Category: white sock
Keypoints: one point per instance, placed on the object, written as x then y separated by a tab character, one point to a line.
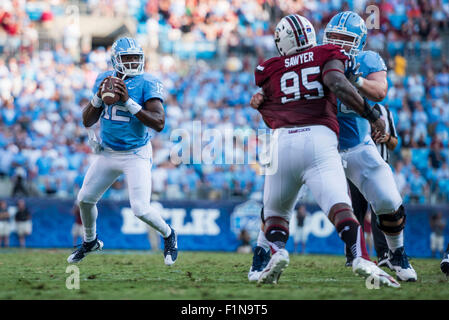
395	242
89	215
154	219
262	241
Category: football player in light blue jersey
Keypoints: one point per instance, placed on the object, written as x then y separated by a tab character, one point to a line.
126	128
364	166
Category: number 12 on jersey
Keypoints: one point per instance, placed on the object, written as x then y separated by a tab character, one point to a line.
290	85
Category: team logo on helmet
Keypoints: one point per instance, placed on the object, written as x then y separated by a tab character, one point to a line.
294	33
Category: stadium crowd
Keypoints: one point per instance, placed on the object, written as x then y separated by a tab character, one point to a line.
43	145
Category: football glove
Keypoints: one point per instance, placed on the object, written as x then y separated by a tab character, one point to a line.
352	72
93	142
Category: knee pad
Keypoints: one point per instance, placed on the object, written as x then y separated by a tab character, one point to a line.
85	199
400	213
277	232
85	202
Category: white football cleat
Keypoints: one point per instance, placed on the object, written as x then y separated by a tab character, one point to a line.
398	262
253	275
171	248
84	249
278	262
261	257
366	268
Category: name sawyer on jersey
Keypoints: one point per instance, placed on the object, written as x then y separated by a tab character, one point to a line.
120	130
285	80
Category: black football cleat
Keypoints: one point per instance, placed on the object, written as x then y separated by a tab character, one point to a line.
84	249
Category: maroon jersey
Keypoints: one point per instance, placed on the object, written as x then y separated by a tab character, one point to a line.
294	91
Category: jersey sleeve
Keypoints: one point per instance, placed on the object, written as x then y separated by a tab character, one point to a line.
263	72
153	88
332	52
373	62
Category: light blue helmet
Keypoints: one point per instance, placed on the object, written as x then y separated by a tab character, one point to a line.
351	25
127	46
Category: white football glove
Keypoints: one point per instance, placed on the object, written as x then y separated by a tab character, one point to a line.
93	142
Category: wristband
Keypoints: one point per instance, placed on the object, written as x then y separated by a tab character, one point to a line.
132	106
96	101
370	113
359	82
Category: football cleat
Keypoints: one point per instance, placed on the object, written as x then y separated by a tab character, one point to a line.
366	268
445	263
398	262
84	249
349	261
273	270
261	258
383	261
171	248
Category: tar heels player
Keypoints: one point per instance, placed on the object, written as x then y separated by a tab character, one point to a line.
126	128
363	164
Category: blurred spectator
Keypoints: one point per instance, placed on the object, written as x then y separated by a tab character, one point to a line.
245	242
19	187
4	224
77	227
399	178
300	236
435	155
437	225
23	222
418	187
43	86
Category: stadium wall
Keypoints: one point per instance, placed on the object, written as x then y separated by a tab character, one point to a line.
201	225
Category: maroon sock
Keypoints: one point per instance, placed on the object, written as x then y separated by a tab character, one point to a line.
350	231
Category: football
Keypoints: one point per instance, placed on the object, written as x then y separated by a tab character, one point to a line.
107	92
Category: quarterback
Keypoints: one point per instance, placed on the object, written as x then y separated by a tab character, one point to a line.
299	102
126	128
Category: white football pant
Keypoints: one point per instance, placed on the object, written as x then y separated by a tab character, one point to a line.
305	155
372	176
105	169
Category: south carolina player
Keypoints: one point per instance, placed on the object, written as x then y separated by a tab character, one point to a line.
126	129
299	104
364	166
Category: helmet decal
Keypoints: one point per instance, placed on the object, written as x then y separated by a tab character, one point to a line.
293	34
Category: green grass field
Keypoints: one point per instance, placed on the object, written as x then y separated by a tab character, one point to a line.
41	274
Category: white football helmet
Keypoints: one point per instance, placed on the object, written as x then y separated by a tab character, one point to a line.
294	33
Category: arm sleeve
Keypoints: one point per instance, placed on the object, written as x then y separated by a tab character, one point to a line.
153	88
330	52
374	62
262	72
335	53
